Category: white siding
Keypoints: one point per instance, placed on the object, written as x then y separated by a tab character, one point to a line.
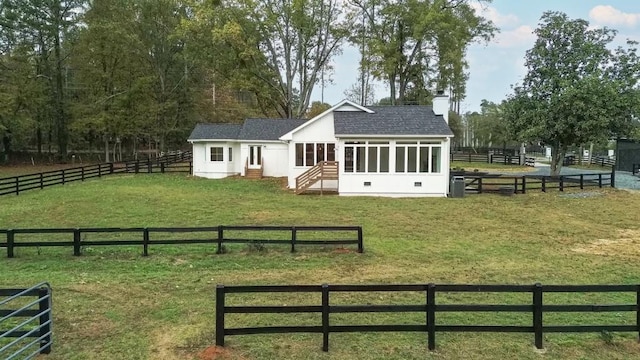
396	184
320	131
204	167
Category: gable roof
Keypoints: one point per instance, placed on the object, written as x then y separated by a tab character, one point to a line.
251	129
267	129
289	134
215	131
392	120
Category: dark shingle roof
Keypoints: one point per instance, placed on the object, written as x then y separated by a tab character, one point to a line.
391	120
267	129
215	131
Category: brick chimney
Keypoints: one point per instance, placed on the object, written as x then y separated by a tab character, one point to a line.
441	105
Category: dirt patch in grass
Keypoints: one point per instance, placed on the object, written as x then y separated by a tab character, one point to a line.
627	244
216	353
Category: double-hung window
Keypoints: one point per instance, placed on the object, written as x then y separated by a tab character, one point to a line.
217	154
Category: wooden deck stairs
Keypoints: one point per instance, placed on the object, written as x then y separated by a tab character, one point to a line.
253	173
324	170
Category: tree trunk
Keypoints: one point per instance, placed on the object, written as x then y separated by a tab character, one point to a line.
581	155
59	114
557	156
106	149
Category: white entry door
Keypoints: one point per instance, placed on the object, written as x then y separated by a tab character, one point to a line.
255	156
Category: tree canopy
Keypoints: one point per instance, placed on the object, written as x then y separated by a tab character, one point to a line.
138	74
577	89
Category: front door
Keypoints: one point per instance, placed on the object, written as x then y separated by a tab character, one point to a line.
255	156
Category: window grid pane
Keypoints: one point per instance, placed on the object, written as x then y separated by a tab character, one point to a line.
331	152
348	159
412	159
372	162
400	159
384	159
424	159
310	155
361	158
436	159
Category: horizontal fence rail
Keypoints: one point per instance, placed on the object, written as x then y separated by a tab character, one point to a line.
21	183
219	235
480	184
430	307
25	322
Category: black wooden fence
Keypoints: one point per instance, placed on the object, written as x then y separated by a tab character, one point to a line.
521	184
142	237
492	159
167	163
16	333
537	308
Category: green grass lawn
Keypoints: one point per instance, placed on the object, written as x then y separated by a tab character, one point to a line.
112	303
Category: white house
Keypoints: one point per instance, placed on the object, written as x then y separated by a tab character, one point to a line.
397	151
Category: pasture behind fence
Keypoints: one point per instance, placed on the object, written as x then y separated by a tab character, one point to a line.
215	235
179	162
25	322
430	307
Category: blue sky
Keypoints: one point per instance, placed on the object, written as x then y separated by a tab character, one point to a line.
495	66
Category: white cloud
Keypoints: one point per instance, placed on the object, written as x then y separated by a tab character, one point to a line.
522	36
491	13
608	15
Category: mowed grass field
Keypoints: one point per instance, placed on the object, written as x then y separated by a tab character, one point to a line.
112	303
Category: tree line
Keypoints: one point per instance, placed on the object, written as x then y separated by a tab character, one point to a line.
138	74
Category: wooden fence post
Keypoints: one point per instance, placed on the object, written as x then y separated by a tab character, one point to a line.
162	167
524	184
515	184
82	173
581	181
325	317
17	185
76	242
599	180
220	238
544	185
190	167
10	243
41	182
360	242
293	239
45	320
431	316
111	168
480	185
220	315
145	242
62	176
99	170
613	176
638	311
537	314
490	158
561	183
149	165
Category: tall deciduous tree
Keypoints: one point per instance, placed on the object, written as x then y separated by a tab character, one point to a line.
280	47
44	26
576	90
416	45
